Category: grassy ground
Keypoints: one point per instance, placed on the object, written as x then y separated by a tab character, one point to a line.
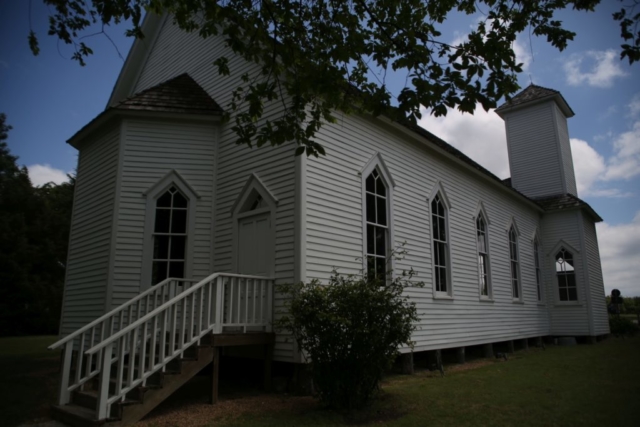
28	378
585	385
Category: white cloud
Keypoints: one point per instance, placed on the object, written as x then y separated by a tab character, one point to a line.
480	136
603	69
620	255
634	106
588	165
523	54
43	174
625	163
594	173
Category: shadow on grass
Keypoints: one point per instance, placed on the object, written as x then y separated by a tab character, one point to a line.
586	385
29	375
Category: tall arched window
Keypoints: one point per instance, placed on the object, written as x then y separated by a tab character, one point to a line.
566	274
377	224
169	236
515	262
483	255
440	245
536	259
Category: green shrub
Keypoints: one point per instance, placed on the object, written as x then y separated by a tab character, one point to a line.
620	325
350	331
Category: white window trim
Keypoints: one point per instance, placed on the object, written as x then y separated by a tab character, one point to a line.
173	178
480	210
536	237
514	225
239	211
438	189
377	162
551	255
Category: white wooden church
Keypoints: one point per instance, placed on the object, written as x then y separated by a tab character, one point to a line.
179	235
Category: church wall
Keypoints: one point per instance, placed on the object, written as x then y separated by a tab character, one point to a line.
598	302
91	231
176	52
335	232
567	318
152	149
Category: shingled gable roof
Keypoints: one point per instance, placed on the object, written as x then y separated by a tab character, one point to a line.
179	95
565	201
534	94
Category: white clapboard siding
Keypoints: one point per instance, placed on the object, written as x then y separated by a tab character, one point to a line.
152	149
533	150
565	151
176	52
598	301
91	229
566	318
334	232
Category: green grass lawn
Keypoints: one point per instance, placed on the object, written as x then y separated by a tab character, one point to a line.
586	385
28	378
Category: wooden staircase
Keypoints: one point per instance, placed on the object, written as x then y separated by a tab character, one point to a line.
122	365
81	412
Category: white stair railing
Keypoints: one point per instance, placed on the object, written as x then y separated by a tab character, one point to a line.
145	346
79	370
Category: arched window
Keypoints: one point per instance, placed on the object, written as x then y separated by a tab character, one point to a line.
483	255
515	263
536	259
440	245
566	274
169	236
377	223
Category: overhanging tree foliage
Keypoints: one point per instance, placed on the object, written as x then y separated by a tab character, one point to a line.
320	56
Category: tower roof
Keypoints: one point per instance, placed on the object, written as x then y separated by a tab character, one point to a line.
534	94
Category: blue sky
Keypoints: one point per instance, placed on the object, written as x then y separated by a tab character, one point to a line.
49	97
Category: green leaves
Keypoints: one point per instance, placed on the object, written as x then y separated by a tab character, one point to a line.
629	31
33	43
317	57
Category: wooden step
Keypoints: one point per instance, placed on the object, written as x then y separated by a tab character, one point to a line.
153	397
85	398
139	401
75	416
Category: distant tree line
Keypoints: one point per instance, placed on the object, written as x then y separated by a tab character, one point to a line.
34	235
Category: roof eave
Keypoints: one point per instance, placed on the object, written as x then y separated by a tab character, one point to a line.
135	59
504	110
107	116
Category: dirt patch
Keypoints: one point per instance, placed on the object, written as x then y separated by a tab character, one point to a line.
225	411
474	364
190	406
384	408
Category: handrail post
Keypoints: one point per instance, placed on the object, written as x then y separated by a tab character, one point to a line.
64	395
105	375
219	308
269	305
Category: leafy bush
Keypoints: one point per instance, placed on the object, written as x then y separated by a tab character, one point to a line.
620	325
350	330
